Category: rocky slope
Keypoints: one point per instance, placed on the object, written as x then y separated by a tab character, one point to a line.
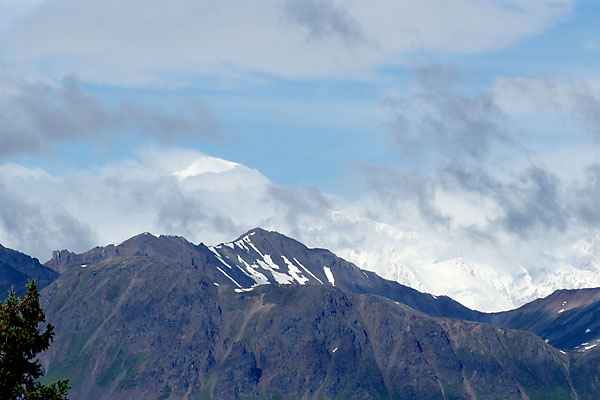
261	257
144	326
567	319
266	317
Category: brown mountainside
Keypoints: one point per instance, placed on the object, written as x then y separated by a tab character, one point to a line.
136	327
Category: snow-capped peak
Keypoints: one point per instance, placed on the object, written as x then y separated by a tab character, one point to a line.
205	165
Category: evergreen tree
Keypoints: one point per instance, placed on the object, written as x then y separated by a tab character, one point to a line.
20	342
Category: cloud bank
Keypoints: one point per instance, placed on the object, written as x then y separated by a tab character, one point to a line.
135	42
491	248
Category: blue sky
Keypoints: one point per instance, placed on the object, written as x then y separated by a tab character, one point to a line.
468	123
309	129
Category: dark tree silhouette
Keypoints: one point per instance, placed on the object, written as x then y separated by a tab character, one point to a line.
20	341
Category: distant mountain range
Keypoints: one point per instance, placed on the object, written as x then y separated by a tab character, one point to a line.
264	316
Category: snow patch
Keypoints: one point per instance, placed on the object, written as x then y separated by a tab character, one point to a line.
295	272
334	350
215	283
83	265
282	279
232	280
242	290
205	165
562	352
270	261
219	257
329	275
307	270
241	245
590	347
249	242
259	278
230	245
587	330
562	310
268	264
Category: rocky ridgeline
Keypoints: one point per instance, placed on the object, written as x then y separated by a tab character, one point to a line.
266	317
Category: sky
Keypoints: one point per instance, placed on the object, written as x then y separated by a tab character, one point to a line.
452	145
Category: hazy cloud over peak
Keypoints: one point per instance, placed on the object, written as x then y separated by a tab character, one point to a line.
406	227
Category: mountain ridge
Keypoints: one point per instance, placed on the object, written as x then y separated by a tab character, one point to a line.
159	316
261	257
125	335
266	257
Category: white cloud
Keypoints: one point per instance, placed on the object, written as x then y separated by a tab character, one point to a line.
81	209
518	95
136	41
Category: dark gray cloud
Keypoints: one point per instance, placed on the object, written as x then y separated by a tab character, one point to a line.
395	188
531	202
322	18
456	125
439	130
40	115
460	139
534	203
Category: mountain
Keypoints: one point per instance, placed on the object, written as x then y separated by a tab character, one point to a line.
260	257
264	316
489	276
17	268
139	325
567	319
